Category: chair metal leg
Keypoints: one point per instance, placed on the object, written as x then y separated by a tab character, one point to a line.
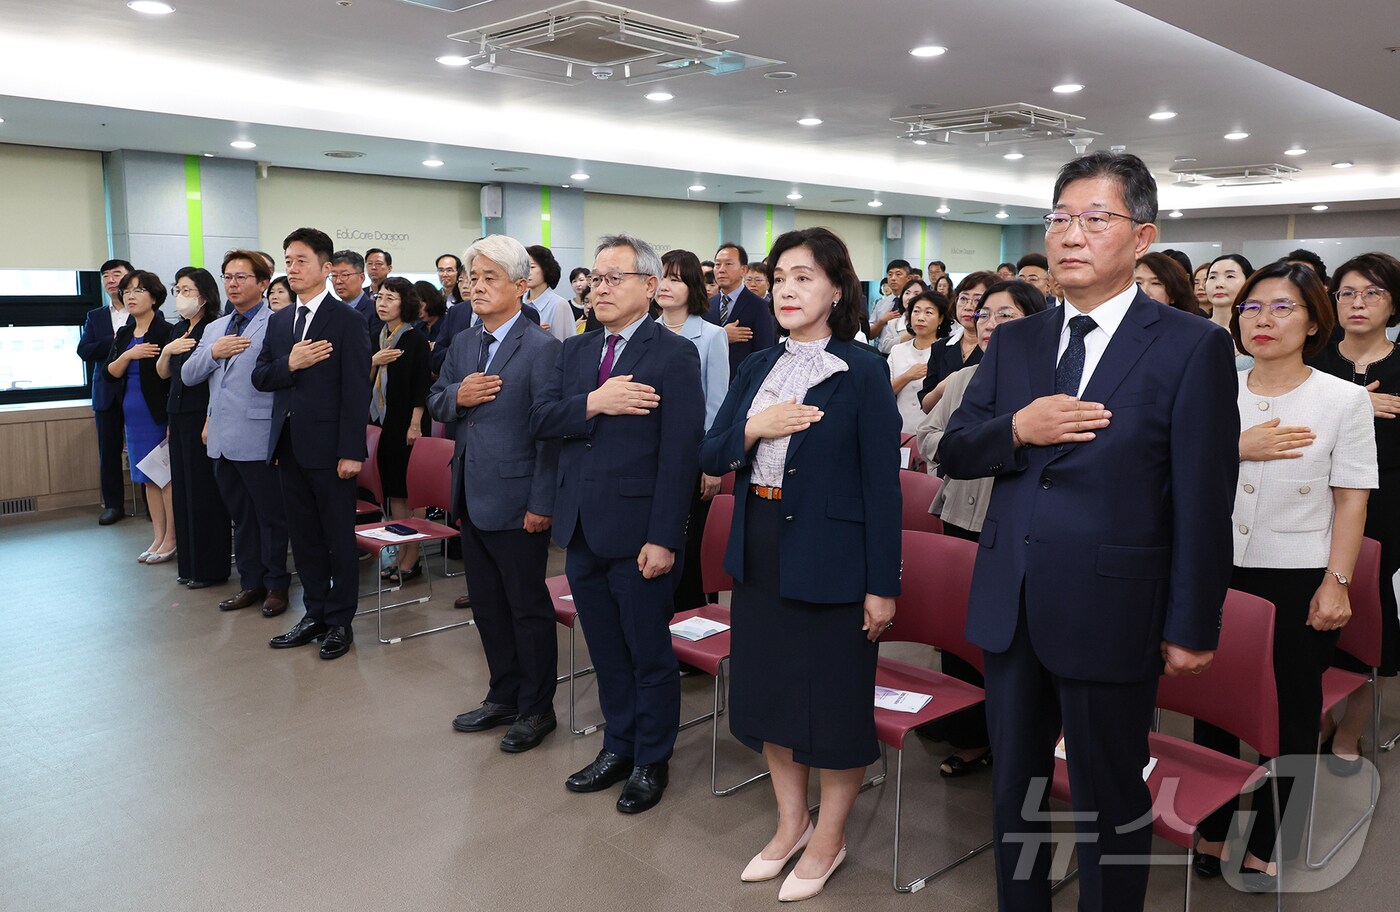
1318	864
918	883
571	676
720	688
1190	859
379	615
877	779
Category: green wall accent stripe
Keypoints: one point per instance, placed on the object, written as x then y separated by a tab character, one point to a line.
546	223
923	242
768	232
194	210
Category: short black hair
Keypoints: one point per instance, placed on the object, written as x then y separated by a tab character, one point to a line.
317	240
116	264
940	264
834	259
1181	258
410	305
945	311
350	258
1032	259
1304	255
544	258
1240	259
707	264
579	271
1135	181
685	266
285	283
737	248
148	281
1314	299
388	257
898	264
1001	266
1380	268
1026	297
449	256
269	259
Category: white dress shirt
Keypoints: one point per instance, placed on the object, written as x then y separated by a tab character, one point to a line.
311	308
119	318
1107	317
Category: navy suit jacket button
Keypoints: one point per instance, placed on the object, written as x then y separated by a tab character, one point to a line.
1045	482
792	471
788	518
996	467
1026	539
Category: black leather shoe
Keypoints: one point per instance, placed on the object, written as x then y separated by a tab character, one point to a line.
203	584
1207	867
243	599
182	580
109	516
306	631
485	716
607	769
528	732
337	641
644	788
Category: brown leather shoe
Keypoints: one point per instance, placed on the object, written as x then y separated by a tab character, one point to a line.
463	602
243	599
275	603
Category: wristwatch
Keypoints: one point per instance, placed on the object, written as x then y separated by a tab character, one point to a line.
1346	583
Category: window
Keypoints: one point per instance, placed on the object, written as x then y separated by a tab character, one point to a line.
41	319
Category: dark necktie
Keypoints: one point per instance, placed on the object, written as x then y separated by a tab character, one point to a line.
299	330
1071	367
723	309
605	369
487	340
235	326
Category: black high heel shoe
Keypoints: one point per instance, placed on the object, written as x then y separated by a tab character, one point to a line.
398	576
956	767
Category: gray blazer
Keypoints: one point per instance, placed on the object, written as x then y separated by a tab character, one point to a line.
240	417
961	501
499	470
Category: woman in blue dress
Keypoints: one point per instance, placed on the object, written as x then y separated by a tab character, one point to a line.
132	362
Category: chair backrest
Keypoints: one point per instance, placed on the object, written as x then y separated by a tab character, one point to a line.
1361	637
919	489
713	543
1237	692
934	587
439	429
910	442
369	469
726	484
430	473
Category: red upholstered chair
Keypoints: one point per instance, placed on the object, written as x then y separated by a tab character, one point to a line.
429	485
1360	638
566	614
1236	693
919	489
369	476
726	484
910	442
439	430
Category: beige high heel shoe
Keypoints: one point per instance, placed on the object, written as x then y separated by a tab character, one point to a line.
797	888
761	869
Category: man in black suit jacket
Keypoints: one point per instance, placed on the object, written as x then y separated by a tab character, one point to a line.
315	360
94	345
747	319
628	404
347	274
1111	429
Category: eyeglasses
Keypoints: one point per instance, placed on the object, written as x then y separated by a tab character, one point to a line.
1278	308
134	290
1001	316
1368	296
968	298
345	276
613	279
1092	222
234	278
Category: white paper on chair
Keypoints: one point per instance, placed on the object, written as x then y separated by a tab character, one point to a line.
903	701
905	454
385	535
1146	770
156	465
697	628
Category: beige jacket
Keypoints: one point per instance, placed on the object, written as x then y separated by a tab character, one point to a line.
962	503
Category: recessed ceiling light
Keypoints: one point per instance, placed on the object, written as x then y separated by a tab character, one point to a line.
208	154
454	60
780	74
721	1
1003	214
794	195
1175	213
566	186
1068	88
1320	207
943	210
659	96
343	153
578	176
1238	134
2	120
928	50
151	7
510	169
1295	151
243	144
696	188
432	163
1013	156
1342	164
921	142
874	204
810	121
1161	115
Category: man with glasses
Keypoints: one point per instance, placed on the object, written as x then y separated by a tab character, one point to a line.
237	435
449	267
94	345
1106	551
628	404
347	280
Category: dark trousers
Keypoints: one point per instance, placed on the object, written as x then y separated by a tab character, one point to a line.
1301	655
253	494
201	519
690	593
514	614
111	438
321	523
1105	727
626	622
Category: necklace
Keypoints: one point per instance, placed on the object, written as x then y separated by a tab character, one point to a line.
673	327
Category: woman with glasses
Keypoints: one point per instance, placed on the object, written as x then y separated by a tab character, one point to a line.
1225	276
962	505
961	349
1307	465
1364	289
201	520
132	362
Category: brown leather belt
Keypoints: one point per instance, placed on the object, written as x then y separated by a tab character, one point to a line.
767	493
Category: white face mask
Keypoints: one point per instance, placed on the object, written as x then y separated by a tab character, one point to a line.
187	306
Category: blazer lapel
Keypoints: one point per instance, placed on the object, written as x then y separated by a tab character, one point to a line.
1040	361
322	318
1124	349
636	347
508	347
820	394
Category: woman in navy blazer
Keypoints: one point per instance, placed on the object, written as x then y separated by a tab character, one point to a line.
811	431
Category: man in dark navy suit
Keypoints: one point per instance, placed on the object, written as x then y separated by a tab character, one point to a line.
628	404
747	319
315	359
1110	426
95	343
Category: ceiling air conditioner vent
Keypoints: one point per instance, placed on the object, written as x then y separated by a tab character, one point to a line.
1234	175
567	44
992	126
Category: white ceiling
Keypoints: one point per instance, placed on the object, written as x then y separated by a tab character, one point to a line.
301	77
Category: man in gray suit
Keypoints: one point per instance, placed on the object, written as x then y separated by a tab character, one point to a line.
236	433
503	483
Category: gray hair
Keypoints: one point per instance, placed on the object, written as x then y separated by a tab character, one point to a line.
1135	181
507	252
350	257
648	263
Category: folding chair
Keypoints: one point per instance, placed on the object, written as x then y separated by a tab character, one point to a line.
566	614
919	490
1236	693
1361	638
368	479
917	463
429	485
726	483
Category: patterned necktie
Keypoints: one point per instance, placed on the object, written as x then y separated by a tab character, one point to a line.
299	330
1071	367
235	326
723	309
605	369
487	340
